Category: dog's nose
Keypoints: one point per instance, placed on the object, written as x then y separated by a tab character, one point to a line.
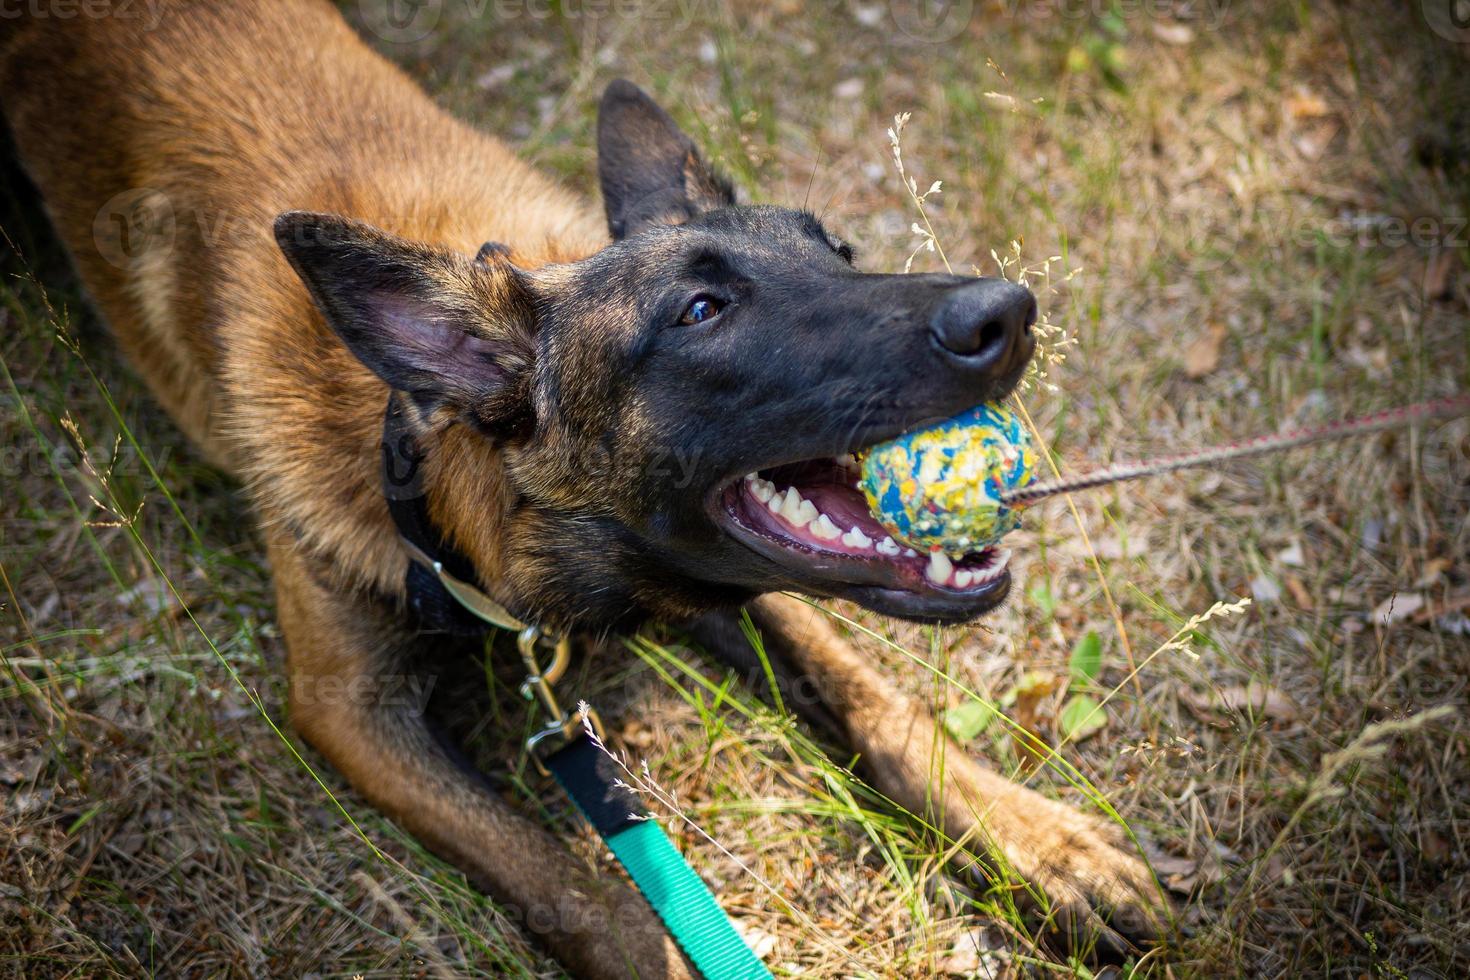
986	324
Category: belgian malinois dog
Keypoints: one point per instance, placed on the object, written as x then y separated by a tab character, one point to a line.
350	278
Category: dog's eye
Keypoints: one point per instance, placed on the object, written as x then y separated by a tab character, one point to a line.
701	309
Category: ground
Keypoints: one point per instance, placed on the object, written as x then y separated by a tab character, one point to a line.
1268	207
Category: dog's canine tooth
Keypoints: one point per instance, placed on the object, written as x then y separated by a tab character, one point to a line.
857	539
823	528
796	510
939	568
889	547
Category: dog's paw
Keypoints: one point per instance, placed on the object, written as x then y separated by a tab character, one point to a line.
1097	893
1086	881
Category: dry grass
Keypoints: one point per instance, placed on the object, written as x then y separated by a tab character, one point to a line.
1303	765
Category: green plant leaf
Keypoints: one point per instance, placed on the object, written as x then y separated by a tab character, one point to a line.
1086	662
1081	717
968	720
1042	598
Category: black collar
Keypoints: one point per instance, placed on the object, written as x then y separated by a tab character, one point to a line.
432	561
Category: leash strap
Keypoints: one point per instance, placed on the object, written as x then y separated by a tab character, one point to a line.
678	895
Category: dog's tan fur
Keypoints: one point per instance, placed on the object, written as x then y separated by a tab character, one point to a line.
225	112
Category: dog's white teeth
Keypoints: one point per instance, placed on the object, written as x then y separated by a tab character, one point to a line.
857	539
823	528
797	511
910	553
789	502
762	490
962	578
774	504
889	547
993	570
939	568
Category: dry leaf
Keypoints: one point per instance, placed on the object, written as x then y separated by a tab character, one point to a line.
1292	556
1173	33
762	943
1397	607
1264	589
1438	275
973	954
1299	593
1305	105
1257	699
1185	875
1431	570
1455	602
1203	356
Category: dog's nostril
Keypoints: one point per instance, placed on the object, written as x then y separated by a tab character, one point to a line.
991	333
987	322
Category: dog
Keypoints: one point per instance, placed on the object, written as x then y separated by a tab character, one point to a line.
308	246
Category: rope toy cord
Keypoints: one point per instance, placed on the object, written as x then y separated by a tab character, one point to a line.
960	485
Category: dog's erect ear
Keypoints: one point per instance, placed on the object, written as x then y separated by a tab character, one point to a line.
651	173
447	330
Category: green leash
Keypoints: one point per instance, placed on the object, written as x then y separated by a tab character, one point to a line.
587	775
678	895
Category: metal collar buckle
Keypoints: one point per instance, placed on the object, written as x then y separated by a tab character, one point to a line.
563	726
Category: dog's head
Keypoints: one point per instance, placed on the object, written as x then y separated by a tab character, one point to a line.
621	435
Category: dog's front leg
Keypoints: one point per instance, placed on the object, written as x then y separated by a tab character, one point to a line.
1075	859
346	669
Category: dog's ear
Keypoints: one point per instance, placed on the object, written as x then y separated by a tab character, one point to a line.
651	173
449	331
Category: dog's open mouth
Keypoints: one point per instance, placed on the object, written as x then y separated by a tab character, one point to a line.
811	517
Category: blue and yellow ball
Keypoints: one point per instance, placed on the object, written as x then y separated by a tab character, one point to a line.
938	489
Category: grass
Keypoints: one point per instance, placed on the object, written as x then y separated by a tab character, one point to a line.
1301	766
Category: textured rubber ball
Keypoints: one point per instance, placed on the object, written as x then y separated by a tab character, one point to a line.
938	488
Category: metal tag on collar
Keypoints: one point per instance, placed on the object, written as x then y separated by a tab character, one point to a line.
464	593
562	726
